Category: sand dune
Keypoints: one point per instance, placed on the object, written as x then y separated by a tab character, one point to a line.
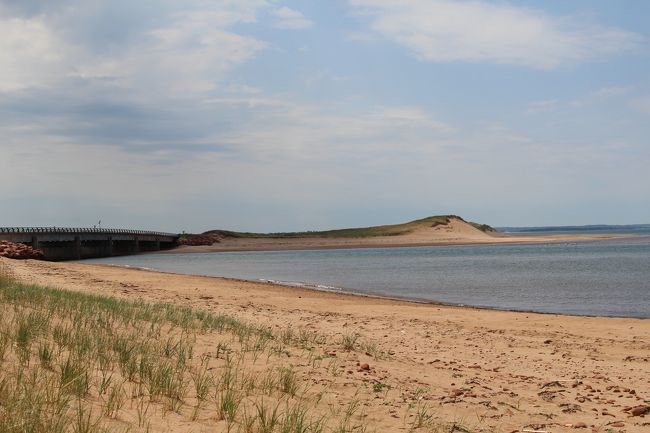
454	231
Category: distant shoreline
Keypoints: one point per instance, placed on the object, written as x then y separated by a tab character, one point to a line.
441	230
308	244
607	228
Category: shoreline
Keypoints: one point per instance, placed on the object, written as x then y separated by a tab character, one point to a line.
343	291
274	286
505	371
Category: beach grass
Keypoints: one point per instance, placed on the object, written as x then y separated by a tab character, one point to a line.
358	232
482	227
73	362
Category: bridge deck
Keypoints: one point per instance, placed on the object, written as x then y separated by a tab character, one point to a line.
64	243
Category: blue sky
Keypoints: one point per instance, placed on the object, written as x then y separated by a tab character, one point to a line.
267	115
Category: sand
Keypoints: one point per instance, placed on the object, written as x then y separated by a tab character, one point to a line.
456	232
487	370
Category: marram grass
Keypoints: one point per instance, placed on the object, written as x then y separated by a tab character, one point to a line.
73	362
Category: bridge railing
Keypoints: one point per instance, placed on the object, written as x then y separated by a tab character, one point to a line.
83	230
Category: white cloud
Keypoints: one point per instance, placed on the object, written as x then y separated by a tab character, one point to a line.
245	89
251	102
324	75
30	53
287	18
187	48
478	31
611	91
136	105
187	56
642	104
541	106
287	158
331	148
604	94
294	133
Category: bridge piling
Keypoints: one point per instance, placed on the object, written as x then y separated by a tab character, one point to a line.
77	247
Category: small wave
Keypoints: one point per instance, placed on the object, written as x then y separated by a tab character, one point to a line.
142	268
321	287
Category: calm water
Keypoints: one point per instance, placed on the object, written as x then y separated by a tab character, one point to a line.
603	278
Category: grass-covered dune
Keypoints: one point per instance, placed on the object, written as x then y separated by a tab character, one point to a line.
358	232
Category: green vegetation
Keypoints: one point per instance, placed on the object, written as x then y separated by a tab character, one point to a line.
483	227
349	341
360	232
73	362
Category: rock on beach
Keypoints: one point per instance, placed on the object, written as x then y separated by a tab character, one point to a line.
13	250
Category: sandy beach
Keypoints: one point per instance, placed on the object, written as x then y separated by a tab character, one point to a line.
485	370
349	216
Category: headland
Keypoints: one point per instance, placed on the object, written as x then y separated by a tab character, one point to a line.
430	231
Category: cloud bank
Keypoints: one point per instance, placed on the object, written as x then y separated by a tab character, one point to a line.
479	31
251	114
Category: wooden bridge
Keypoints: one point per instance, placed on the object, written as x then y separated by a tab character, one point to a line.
58	243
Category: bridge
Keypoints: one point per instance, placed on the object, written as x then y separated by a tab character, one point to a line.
59	243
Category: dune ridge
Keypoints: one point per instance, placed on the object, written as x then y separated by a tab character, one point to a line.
430	231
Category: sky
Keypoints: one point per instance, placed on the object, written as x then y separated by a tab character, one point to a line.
264	115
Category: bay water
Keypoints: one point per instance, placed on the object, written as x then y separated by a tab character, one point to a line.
608	277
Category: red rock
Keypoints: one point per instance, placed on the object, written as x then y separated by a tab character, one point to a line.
456	392
19	251
639	410
364	367
579	425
